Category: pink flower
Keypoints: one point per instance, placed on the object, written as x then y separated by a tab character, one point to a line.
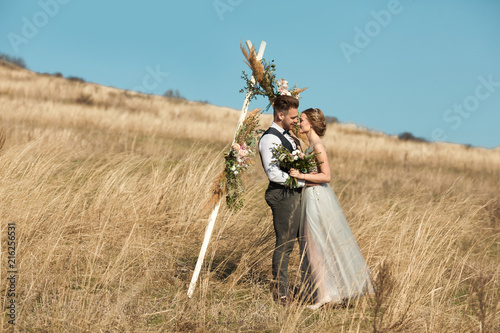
242	153
284	84
284	92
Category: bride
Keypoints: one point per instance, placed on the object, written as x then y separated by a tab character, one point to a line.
333	268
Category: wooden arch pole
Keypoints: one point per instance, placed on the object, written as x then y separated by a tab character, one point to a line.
215	210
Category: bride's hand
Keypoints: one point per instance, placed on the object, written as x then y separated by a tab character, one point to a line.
295	173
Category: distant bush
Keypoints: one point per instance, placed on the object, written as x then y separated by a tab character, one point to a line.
13	60
84	99
173	94
70	78
76	79
407	136
52	74
331	120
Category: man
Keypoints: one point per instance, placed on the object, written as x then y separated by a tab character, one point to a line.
284	203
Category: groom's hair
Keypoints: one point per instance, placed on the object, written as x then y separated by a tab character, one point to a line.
283	103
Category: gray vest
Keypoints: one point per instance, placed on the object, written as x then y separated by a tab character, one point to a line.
284	141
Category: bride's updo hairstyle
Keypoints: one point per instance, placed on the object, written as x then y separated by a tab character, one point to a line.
317	120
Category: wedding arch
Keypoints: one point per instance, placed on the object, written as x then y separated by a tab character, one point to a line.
216	205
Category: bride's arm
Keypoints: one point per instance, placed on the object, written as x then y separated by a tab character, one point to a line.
323	175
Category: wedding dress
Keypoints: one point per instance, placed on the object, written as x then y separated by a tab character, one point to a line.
333	267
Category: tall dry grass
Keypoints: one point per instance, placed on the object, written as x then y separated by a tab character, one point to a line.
107	191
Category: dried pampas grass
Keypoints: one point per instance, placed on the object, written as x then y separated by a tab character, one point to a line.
250	124
258	71
217	192
252	62
295	93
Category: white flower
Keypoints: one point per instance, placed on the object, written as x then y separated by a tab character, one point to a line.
284	84
296	152
236	172
295	157
284	92
233	168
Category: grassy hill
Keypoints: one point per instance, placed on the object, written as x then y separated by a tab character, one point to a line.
107	191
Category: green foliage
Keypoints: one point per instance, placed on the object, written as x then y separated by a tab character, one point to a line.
264	89
237	161
233	181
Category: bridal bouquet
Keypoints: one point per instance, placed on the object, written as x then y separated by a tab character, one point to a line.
294	160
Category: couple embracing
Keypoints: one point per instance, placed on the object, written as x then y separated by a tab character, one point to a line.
333	270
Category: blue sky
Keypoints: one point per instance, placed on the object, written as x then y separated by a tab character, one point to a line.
431	68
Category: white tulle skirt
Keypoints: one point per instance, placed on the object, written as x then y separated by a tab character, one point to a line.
332	266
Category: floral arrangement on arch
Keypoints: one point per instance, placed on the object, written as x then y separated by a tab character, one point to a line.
237	163
266	83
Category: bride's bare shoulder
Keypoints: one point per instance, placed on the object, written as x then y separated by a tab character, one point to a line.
318	145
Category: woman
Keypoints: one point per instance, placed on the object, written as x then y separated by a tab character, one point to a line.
333	267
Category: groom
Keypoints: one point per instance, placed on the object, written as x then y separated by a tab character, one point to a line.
284	203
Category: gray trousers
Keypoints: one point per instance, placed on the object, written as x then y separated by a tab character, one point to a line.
285	205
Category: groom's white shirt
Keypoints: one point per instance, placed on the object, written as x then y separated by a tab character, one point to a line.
266	144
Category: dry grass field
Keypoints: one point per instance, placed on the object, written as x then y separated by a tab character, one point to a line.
107	191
